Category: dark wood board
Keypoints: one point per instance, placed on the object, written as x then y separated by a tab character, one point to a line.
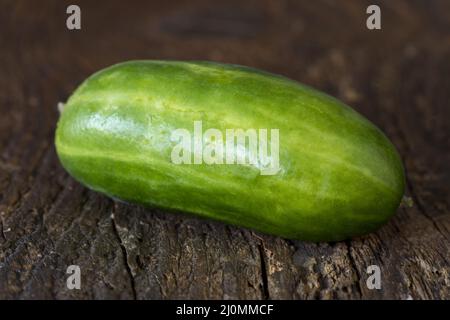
398	77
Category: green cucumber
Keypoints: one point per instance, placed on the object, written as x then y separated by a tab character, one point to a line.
337	175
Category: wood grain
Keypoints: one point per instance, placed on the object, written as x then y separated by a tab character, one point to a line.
398	77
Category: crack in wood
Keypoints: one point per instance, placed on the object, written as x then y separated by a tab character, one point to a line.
124	254
354	267
264	277
2	231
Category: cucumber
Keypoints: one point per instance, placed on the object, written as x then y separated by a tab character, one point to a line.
233	144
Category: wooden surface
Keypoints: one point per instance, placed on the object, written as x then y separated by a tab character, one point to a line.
398	77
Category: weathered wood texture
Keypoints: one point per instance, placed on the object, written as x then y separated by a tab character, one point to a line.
398	77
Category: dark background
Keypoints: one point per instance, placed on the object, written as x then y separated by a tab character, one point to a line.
398	77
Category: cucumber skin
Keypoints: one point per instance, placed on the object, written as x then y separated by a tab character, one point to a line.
340	176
